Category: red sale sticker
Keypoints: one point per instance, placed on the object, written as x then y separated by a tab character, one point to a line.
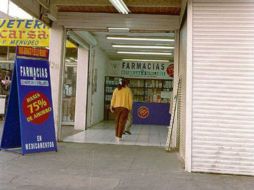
36	107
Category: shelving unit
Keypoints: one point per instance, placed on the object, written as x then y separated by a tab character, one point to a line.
110	84
143	90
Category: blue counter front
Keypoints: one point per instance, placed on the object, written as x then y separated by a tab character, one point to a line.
151	113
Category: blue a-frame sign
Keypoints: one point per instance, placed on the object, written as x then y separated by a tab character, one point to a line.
29	122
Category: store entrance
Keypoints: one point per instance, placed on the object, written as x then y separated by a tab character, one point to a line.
146	60
69	91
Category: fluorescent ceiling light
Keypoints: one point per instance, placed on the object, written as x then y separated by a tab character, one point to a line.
144	53
118	29
142	47
120	6
148	60
73	59
51	17
140	39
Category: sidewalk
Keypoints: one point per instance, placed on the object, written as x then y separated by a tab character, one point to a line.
107	167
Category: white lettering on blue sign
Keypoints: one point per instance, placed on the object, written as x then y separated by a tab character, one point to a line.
34	72
39	145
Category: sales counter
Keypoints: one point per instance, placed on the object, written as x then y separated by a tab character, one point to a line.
151	113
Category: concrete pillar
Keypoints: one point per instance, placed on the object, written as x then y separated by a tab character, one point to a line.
82	89
56	57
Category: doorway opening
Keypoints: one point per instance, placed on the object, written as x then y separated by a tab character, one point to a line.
146	60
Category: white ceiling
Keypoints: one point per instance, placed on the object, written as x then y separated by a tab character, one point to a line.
106	45
157	18
80	18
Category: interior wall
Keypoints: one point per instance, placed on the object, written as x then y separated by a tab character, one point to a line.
100	61
182	88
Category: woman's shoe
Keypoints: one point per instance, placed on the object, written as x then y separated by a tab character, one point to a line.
128	132
117	140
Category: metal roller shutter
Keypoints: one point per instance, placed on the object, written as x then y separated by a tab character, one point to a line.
223	86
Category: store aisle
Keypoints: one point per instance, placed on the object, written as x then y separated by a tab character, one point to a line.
103	133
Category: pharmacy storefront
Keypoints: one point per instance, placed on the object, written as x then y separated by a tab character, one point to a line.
214	63
151	84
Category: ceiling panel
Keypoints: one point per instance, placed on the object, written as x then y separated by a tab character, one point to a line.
155	10
135	22
147	18
167	7
88	9
111	9
106	45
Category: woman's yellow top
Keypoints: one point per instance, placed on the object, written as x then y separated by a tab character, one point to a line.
122	98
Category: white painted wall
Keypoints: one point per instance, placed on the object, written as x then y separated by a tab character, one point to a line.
56	55
173	104
182	88
81	93
99	61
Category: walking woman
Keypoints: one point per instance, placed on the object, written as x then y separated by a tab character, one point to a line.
121	104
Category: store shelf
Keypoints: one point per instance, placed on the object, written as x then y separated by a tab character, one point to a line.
143	90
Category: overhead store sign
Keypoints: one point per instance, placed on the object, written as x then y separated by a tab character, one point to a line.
22	32
141	69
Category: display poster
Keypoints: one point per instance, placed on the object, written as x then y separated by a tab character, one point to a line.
149	70
151	113
29	121
25	32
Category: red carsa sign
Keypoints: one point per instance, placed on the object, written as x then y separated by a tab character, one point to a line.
143	112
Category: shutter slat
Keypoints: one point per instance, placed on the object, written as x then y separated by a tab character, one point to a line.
223	87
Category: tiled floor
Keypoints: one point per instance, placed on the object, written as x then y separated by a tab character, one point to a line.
103	133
